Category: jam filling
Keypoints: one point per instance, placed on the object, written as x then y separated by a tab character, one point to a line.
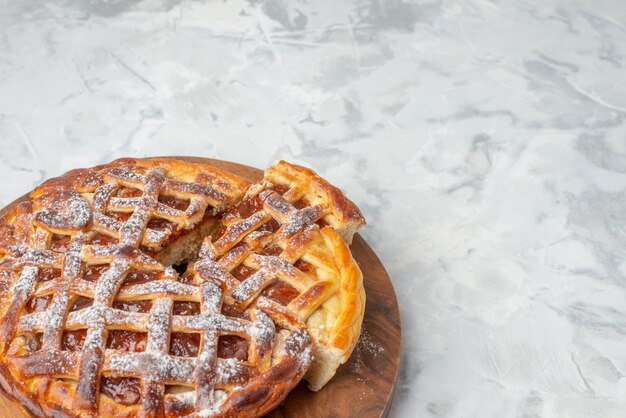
129	192
46	274
220	232
38	304
248	207
281	189
270	226
232	346
94	272
321	223
242	272
186	278
33	342
184	344
135	306
174	202
152	252
281	292
161	224
186	308
81	303
174	232
123	390
271	250
228	346
234	311
73	340
304	266
301	203
139	277
127	340
120	216
103	239
243	210
60	242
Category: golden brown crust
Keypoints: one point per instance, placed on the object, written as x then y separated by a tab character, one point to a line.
102	215
347	327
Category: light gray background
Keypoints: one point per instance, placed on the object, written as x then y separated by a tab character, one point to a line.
484	140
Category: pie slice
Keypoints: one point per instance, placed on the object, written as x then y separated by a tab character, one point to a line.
283	249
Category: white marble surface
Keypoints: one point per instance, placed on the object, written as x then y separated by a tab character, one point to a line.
484	140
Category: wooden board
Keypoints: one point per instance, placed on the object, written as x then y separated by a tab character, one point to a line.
364	386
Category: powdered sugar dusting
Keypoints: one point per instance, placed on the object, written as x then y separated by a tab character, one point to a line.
22	255
156	287
263	328
159	325
209	322
102	195
64	209
109	282
91	315
132	230
272	263
31	322
72	267
125	174
366	350
276	202
155	236
54	319
298	345
216	197
301	220
209	412
257	235
211	297
25	285
154	367
230	369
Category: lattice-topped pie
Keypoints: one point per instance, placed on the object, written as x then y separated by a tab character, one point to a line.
101	316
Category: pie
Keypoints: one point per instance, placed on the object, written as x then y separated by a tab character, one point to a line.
158	287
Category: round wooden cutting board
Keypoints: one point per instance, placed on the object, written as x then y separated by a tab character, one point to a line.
364	386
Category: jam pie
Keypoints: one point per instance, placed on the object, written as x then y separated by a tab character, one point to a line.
157	287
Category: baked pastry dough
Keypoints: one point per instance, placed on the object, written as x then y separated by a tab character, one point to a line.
283	245
94	321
